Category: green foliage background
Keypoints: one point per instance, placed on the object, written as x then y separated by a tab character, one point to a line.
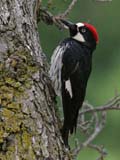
104	82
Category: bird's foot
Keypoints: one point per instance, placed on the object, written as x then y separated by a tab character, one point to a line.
67	147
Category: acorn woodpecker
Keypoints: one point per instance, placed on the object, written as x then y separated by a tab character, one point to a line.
70	69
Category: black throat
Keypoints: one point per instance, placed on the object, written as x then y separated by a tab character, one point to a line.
91	46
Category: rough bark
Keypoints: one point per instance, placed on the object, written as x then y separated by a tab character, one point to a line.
28	122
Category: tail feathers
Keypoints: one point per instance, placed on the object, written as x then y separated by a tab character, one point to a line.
74	123
70	117
68	128
74	117
74	126
70	122
70	108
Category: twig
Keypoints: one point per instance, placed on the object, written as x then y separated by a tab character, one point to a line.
100	149
99	123
84	125
50	19
97	129
70	7
113	104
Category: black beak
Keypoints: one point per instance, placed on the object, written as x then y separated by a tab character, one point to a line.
68	24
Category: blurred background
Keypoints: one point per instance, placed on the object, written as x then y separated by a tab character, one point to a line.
104	82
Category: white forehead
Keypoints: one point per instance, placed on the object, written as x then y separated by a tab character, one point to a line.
80	24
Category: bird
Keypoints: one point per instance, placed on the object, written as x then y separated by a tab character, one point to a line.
71	65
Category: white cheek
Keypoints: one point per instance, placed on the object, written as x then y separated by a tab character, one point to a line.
79	37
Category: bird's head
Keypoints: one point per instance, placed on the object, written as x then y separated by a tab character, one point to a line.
82	32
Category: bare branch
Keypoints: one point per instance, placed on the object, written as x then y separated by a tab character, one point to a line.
113	104
70	7
50	19
100	149
97	130
96	120
99	123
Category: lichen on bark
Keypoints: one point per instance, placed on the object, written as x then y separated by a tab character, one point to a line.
15	78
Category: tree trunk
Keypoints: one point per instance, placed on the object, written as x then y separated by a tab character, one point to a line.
29	127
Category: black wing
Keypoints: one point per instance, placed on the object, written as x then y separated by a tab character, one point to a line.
75	73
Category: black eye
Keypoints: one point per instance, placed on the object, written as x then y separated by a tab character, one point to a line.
83	30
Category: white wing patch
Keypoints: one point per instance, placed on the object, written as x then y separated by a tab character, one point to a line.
56	66
68	87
